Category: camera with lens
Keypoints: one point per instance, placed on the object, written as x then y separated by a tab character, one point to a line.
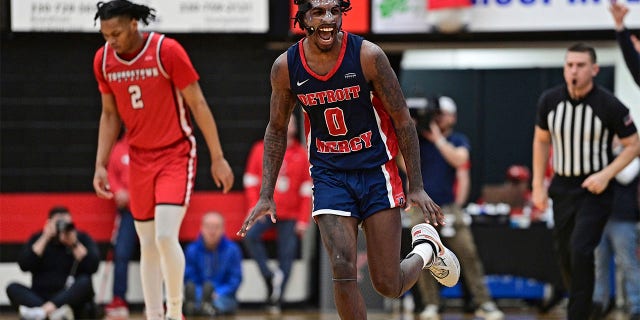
424	110
64	226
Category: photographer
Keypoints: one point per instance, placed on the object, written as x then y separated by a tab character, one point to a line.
444	156
61	261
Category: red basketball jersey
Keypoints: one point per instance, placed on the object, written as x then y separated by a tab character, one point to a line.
146	90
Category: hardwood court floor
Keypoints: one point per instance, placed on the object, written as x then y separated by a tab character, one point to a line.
510	314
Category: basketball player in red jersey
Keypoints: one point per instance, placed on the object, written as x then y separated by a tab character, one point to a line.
356	119
147	81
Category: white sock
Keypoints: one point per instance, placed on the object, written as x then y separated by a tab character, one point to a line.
150	272
157	314
425	251
174	305
168	220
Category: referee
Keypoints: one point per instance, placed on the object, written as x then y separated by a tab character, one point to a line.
579	120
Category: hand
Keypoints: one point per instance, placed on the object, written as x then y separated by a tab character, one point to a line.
222	174
49	230
618	12
49	307
79	251
69	238
539	198
121	197
433	134
301	228
420	201
101	183
263	207
596	183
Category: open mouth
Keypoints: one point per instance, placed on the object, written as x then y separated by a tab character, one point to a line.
326	33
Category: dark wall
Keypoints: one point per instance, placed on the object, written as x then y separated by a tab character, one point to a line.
496	111
50	105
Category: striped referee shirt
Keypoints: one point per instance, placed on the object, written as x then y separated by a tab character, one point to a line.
582	131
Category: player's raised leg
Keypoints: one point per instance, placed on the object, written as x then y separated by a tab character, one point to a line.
390	276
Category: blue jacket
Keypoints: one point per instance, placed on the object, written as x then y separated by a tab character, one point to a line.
222	267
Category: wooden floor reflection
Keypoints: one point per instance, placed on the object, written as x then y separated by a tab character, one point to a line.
510	314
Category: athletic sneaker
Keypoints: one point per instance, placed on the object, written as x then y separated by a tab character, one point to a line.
33	313
444	266
62	313
208	310
430	312
489	311
274	308
276	286
117	309
189	304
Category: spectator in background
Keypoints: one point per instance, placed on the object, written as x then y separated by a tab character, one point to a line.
620	239
445	159
293	200
580	189
61	260
514	191
125	233
517	178
213	270
629	44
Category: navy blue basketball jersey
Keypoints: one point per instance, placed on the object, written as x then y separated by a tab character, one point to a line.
346	125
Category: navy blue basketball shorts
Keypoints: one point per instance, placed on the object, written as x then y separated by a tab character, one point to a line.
356	193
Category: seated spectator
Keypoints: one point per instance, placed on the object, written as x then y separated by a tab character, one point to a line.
292	196
61	260
515	191
213	270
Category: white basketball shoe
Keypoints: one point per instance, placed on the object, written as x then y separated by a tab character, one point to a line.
444	266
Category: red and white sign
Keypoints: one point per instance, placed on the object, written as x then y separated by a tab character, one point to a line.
410	16
216	16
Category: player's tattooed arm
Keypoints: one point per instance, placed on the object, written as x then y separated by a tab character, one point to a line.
275	137
408	142
383	79
379	74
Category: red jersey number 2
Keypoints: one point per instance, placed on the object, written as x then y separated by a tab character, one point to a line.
136	96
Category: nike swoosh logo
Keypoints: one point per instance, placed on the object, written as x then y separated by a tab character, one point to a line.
299	83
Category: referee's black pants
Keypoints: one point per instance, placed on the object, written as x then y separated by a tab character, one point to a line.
579	218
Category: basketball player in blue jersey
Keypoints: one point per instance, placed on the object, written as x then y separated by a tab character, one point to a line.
355	120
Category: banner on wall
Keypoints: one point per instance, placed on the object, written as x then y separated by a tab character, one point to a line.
218	16
412	16
356	20
405	16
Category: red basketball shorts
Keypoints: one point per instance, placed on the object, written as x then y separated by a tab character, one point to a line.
161	176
